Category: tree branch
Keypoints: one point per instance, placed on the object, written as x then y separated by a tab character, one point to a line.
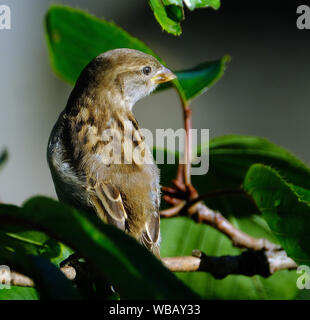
21	280
18	279
248	263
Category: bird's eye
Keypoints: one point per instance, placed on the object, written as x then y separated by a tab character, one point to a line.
147	70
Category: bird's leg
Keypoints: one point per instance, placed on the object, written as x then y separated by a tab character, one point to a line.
177	196
173	211
177	193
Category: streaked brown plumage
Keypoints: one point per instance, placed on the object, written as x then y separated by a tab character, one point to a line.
126	195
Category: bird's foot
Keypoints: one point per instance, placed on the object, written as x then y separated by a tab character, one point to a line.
179	196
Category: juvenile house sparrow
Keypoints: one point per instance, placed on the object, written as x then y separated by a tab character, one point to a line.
126	195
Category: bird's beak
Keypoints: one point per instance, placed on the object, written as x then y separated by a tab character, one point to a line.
164	75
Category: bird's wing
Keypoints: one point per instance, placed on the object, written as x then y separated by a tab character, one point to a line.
150	236
108	204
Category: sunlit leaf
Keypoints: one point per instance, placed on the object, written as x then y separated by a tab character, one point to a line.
286	209
160	13
197	80
74	38
195	4
19	293
169	13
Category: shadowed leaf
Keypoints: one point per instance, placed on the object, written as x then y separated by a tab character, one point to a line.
230	158
22	239
133	271
50	282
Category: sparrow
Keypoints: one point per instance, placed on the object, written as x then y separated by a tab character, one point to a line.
123	193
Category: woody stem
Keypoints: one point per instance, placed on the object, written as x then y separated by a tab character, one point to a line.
188	151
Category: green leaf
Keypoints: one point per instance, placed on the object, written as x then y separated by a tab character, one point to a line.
19	293
74	38
170	22
178	3
197	80
230	158
241	152
24	240
3	158
181	235
194	4
285	208
175	12
133	271
170	25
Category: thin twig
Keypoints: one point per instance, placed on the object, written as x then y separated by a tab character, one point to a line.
188	144
258	248
201	213
238	238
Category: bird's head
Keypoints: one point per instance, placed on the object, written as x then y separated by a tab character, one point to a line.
124	76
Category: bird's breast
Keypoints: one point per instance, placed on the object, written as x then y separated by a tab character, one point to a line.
117	141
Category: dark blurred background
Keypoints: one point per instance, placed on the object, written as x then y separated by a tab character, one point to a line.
265	90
